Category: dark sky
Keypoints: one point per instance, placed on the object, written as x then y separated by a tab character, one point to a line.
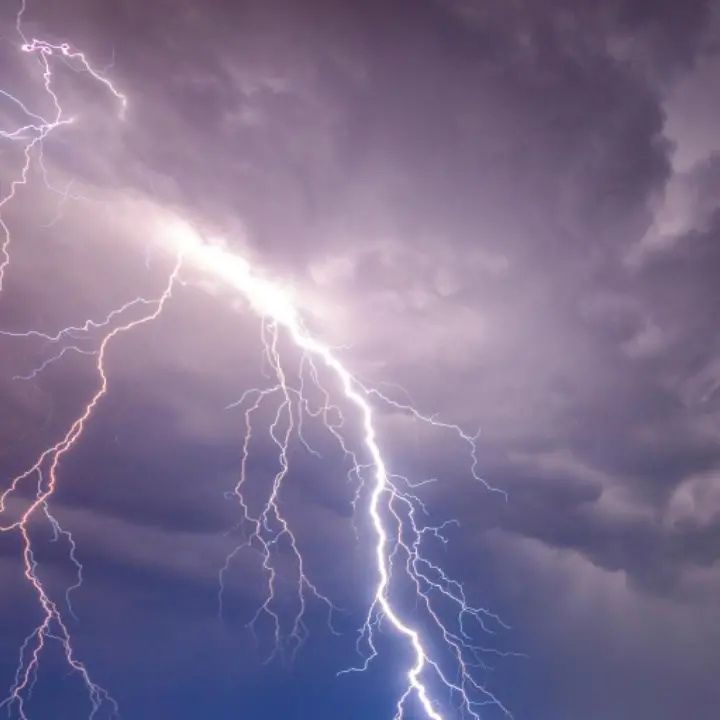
505	210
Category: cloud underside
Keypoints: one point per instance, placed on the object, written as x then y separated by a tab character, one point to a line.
477	201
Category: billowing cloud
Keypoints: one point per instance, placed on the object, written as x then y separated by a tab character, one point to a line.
498	206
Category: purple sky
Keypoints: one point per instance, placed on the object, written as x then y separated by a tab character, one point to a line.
510	209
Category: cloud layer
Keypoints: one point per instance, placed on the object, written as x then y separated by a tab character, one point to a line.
489	203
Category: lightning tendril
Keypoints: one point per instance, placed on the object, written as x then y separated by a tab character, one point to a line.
413	597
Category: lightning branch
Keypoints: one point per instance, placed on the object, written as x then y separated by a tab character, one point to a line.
438	626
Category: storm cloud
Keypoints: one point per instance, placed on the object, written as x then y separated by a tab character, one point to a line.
508	209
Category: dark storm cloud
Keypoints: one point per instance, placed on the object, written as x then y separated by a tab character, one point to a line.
480	198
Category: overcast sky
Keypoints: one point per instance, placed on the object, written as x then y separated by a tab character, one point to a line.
505	210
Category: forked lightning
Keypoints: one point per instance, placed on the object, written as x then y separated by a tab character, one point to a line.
438	627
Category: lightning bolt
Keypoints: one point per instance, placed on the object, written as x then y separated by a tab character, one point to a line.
309	383
45	470
36	128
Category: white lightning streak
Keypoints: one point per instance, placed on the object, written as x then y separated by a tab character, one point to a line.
53	627
271	302
445	656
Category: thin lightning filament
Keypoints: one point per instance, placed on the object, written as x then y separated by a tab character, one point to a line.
437	626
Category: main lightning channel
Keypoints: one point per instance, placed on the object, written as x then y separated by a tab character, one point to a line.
445	655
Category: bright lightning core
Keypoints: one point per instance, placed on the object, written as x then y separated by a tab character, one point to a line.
438	626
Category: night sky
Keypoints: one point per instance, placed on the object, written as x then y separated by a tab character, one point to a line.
503	212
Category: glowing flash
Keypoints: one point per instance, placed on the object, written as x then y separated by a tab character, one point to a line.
445	657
